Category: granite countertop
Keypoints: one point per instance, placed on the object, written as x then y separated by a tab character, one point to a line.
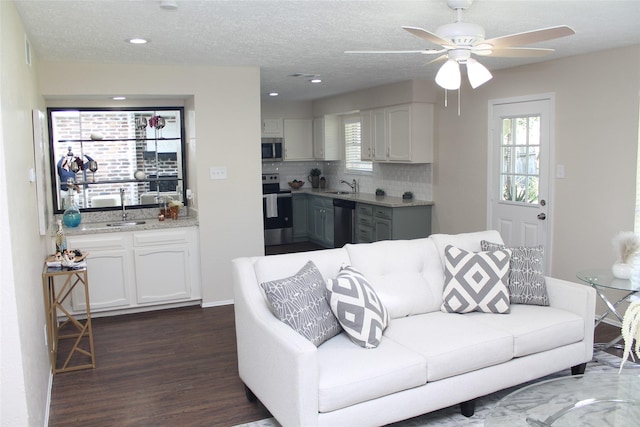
372	199
96	223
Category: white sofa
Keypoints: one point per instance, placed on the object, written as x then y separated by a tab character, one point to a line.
426	360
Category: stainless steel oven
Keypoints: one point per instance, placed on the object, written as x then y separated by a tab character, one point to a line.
277	211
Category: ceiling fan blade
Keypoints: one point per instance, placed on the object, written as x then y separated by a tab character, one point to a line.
423	51
528	37
438	59
429	36
516	52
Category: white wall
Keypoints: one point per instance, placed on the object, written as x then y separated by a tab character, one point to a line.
596	139
226	104
24	360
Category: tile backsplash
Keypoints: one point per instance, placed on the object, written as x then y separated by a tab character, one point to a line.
394	178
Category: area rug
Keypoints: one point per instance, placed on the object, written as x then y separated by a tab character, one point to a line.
451	417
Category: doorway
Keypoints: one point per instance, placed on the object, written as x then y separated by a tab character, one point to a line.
520	158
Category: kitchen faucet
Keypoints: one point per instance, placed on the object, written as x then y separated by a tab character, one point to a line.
124	213
353	184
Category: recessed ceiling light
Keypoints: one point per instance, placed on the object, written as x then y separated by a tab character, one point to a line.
138	41
316	80
168	4
273	94
119	98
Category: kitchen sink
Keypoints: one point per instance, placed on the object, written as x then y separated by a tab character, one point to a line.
339	192
125	223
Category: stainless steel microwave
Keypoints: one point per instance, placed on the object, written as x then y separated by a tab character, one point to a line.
271	149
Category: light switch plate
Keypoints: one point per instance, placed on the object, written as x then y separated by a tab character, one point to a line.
559	171
218	172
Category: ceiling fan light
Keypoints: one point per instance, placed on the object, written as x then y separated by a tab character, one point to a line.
448	76
478	74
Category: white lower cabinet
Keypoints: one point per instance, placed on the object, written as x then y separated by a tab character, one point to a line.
129	270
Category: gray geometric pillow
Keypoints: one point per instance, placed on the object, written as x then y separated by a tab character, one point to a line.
475	281
357	307
300	302
526	277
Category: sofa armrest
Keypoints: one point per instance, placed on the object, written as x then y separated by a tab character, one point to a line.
578	299
278	364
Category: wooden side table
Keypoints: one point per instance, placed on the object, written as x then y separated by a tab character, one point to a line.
81	354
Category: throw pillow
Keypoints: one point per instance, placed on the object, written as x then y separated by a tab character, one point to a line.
526	277
357	307
300	302
476	281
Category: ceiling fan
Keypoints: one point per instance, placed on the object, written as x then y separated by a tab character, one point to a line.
461	39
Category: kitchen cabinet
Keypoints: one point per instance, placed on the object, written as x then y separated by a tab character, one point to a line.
400	133
374	223
133	270
298	139
326	138
366	135
321	220
272	128
299	217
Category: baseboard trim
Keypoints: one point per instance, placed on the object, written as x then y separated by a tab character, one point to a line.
48	404
216	303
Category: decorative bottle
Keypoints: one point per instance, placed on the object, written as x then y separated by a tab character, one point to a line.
61	239
71	216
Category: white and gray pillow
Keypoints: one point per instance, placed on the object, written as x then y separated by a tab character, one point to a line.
476	281
357	307
526	274
300	302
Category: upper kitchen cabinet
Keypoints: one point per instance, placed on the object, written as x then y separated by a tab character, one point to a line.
401	134
326	138
272	128
298	139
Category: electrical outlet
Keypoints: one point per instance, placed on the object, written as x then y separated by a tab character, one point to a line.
218	172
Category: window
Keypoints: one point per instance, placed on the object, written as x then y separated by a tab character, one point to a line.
520	168
353	146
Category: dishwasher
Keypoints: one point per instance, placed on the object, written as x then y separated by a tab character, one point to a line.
343	222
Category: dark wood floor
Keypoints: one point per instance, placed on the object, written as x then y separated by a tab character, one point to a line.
165	368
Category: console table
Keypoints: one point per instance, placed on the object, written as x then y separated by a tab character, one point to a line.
79	352
601	279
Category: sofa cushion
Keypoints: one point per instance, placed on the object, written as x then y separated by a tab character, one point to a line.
406	274
467	241
476	281
535	328
451	343
300	302
526	276
357	307
349	374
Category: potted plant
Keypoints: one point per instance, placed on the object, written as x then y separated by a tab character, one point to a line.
379	192
314	177
408	195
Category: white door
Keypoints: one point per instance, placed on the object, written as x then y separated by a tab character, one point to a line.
520	148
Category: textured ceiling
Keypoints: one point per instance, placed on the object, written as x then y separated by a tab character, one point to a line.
308	36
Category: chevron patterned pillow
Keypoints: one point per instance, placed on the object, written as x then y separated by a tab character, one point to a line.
357	307
300	302
476	281
526	277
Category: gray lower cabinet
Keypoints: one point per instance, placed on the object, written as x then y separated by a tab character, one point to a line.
320	220
374	223
300	227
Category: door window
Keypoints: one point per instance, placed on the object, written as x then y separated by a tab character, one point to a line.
520	159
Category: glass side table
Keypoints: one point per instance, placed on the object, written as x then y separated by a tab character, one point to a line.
596	399
601	279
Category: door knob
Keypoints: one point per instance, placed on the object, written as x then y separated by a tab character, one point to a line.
542	216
